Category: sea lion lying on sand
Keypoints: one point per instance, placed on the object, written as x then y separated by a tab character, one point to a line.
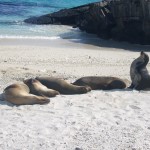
62	86
139	73
39	89
101	83
18	94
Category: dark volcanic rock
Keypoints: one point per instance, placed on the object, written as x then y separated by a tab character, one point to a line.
132	19
123	20
64	16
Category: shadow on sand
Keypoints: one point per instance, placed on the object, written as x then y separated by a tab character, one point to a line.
91	39
3	102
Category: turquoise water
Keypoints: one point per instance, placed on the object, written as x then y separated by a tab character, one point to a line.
13	12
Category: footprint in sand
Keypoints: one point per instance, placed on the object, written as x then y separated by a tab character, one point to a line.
134	107
78	148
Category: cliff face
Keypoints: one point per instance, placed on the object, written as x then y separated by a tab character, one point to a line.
98	20
127	20
132	20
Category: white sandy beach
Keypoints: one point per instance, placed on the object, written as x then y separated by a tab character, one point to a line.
98	120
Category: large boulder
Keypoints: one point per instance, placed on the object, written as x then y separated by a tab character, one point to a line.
93	18
123	20
64	16
132	19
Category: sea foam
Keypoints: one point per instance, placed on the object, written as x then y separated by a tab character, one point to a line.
29	37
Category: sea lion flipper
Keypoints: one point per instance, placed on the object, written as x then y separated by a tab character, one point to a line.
131	86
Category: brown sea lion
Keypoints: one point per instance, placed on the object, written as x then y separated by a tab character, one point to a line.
139	74
62	86
39	89
18	94
101	82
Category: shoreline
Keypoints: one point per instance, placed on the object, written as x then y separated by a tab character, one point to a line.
89	42
58	43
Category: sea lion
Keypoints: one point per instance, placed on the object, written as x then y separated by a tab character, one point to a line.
39	89
139	74
18	94
62	86
101	82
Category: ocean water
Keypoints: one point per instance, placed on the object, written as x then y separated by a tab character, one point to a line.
13	12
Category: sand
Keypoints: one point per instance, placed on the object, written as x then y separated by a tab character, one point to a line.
98	120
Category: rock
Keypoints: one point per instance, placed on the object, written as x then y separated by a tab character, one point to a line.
132	20
64	16
122	20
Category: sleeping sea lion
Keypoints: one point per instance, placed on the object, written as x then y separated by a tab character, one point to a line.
18	94
39	89
62	86
101	82
139	74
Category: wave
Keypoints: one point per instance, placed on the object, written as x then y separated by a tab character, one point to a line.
9	22
27	4
29	37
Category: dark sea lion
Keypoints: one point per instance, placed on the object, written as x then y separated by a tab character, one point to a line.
62	86
139	74
101	82
18	94
39	89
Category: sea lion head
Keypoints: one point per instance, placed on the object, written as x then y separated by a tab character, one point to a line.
34	85
30	81
145	58
37	88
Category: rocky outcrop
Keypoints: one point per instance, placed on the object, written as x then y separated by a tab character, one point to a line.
132	19
123	20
